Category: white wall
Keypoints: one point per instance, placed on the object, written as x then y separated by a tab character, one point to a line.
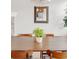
24	22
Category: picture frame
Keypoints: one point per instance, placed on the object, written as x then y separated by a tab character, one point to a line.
41	14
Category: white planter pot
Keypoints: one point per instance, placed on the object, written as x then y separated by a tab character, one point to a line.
39	39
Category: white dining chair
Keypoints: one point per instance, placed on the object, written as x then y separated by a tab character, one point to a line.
36	55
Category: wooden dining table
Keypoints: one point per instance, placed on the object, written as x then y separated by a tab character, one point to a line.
29	43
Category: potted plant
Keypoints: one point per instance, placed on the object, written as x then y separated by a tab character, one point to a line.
39	34
65	21
65	18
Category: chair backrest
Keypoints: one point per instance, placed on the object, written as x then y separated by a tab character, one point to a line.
36	55
19	54
60	55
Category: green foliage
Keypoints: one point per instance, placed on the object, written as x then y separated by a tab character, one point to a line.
38	32
65	18
65	21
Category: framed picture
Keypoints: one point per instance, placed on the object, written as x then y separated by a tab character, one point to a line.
41	14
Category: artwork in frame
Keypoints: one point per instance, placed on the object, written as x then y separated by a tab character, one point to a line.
40	14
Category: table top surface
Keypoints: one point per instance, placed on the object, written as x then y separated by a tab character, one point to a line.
54	43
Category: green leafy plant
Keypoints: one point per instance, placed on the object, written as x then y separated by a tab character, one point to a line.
38	32
65	21
65	18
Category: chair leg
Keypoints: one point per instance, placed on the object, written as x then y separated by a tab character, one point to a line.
51	56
